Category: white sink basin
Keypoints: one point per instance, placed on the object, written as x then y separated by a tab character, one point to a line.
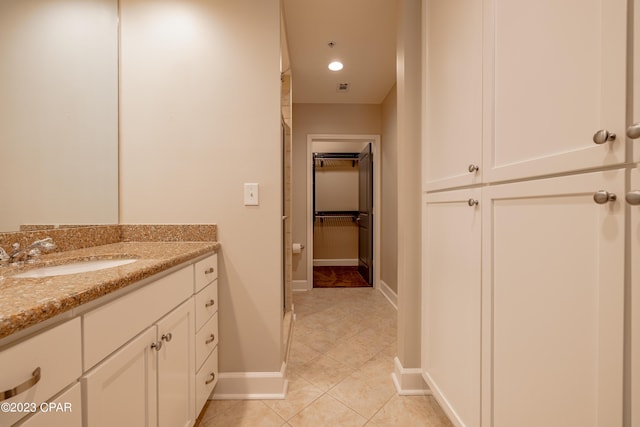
75	267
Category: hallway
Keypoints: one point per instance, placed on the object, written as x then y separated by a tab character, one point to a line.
339	370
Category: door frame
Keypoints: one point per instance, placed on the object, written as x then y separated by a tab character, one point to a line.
375	149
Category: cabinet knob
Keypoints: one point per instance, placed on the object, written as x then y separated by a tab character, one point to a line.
473	168
633	198
209	270
166	337
473	202
212	376
157	345
211	339
601	197
603	136
210	303
633	131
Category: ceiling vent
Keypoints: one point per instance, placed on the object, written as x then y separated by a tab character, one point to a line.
343	87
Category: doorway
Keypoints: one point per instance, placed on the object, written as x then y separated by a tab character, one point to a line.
348	221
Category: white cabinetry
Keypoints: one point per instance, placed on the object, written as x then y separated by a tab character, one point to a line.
63	411
451	303
554	74
553	291
36	369
206	300
634	301
151	380
123	389
176	391
453	77
555	264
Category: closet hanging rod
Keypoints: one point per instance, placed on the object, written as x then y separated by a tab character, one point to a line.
336	156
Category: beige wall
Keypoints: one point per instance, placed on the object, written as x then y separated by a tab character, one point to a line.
200	115
409	182
389	214
321	119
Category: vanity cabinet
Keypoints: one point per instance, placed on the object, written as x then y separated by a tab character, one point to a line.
123	390
131	359
156	377
206	301
150	378
40	367
63	411
176	391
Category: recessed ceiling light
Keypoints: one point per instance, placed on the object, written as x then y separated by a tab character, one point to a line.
336	66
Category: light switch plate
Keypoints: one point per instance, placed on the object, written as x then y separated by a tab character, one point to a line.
251	194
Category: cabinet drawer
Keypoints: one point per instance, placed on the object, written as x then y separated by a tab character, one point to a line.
57	352
206	380
206	304
65	411
112	325
206	340
206	272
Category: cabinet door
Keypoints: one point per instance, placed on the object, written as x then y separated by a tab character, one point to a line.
453	77
555	74
451	303
635	302
121	391
553	302
176	371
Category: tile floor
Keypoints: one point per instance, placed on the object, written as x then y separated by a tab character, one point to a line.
339	370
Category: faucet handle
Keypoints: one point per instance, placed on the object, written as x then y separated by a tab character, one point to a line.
46	244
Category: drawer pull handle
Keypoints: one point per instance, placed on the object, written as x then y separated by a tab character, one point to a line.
8	394
209	270
210	303
166	337
213	377
157	345
211	339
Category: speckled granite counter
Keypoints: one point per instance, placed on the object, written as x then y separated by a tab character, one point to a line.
28	301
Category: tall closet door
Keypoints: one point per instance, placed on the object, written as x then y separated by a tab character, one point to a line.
634	213
555	73
453	76
451	302
553	298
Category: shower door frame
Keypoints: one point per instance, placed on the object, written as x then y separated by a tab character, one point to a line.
375	149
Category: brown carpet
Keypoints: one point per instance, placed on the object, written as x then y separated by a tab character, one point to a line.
338	277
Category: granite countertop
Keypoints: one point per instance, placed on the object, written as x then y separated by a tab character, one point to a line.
26	302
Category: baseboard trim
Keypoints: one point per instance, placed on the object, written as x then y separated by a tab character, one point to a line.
443	402
335	262
300	285
389	294
251	385
409	382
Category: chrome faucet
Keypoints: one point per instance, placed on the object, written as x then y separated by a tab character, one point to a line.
28	254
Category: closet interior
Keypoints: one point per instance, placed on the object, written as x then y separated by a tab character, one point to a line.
339	214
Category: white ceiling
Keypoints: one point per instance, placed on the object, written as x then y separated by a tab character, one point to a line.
364	33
